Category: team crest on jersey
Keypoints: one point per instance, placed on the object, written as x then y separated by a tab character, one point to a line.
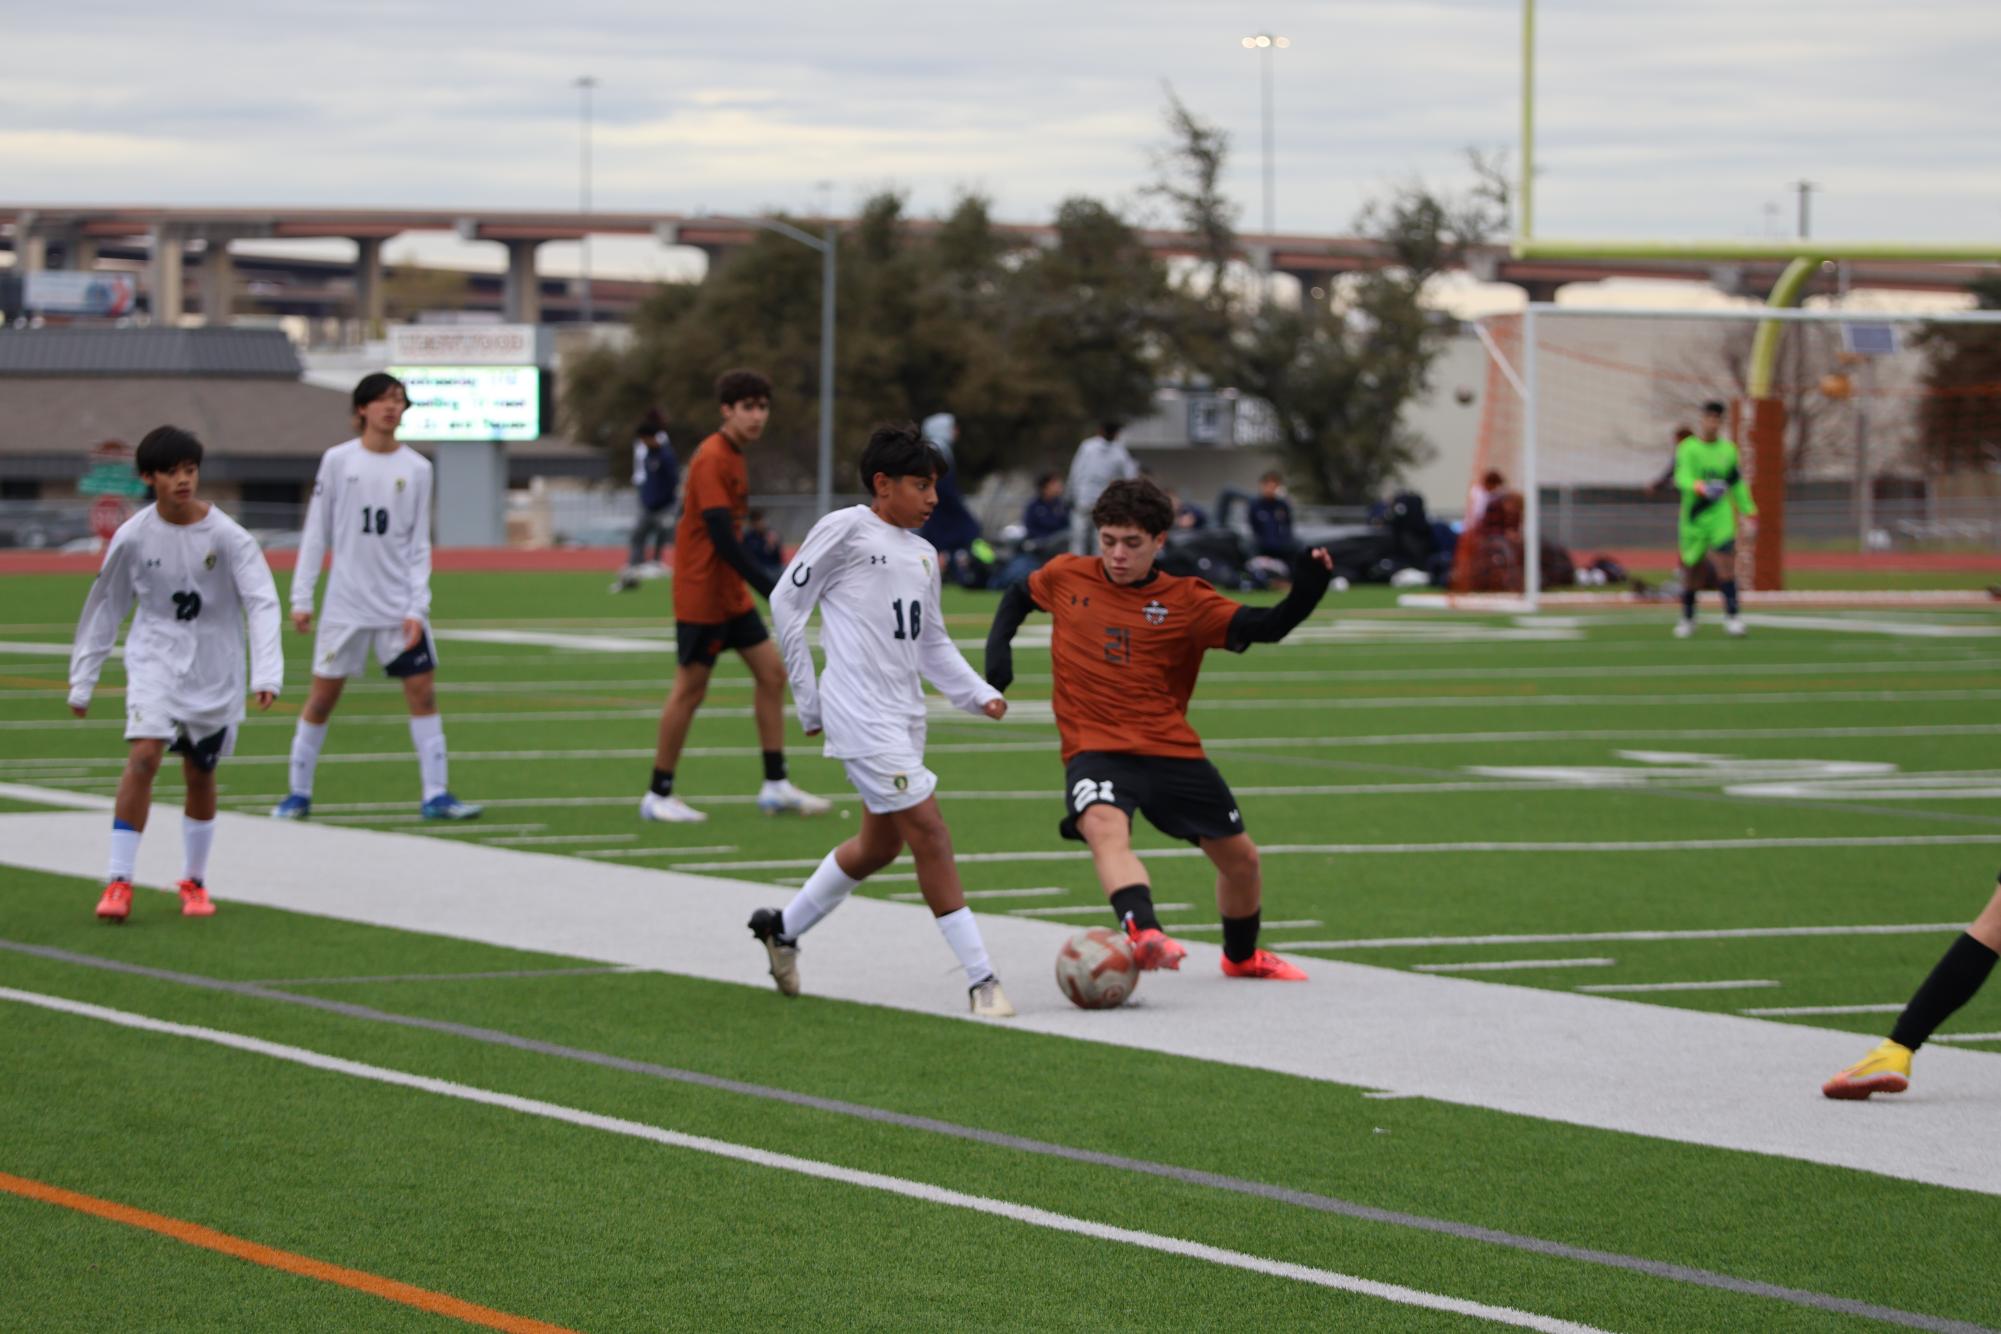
1156	613
927	565
903	782
208	561
399	483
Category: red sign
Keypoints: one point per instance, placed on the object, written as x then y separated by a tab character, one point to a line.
106	513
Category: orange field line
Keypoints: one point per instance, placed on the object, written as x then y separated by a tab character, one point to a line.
195	1235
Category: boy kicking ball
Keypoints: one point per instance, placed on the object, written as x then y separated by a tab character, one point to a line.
1125	648
877	585
195	578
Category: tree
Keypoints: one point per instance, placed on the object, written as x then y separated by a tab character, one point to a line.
1026	348
1959	420
1336	378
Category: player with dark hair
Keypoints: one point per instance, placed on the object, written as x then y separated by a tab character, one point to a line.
656	479
1126	647
713	577
371	508
196	579
1960	973
1713	494
877	586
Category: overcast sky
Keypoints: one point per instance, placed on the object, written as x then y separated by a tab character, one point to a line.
1678	118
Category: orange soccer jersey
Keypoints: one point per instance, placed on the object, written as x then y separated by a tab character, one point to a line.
1125	658
706	590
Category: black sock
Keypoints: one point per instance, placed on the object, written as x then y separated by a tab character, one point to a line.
663	782
1952	984
1134	903
1729	597
774	766
1688	602
1240	936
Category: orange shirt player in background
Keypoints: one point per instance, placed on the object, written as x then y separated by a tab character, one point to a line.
1125	649
713	577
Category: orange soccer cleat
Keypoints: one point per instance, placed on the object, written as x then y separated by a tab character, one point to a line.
116	904
1264	964
195	901
1154	948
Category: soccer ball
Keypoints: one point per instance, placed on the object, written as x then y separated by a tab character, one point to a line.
1096	969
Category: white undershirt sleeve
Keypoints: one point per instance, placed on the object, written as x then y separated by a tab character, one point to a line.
941	663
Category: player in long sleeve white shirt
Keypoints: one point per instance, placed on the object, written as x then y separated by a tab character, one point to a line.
192	579
877	586
371	508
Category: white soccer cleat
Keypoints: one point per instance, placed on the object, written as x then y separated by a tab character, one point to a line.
1733	627
779	797
669	810
1683	629
989	1001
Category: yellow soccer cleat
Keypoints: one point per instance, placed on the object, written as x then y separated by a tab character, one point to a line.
1884	1070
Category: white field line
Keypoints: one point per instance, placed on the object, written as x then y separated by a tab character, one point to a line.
1054	792
1789	1011
1634	988
1608	937
1404	849
1966	1037
1860	625
1509	965
785	1162
1041	717
1039	891
536	840
43	796
27	768
1088	909
470	829
660	852
1303	924
1217	674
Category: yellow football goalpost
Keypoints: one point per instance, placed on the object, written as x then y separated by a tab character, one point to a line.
1764	412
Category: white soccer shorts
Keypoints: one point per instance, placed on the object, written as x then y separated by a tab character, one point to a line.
151	716
341	651
888	784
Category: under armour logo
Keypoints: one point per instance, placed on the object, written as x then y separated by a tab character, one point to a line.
1090	792
1233	815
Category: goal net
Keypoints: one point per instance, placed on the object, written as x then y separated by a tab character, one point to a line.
1858	432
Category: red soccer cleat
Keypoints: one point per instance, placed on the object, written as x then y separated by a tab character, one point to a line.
1154	949
116	904
1264	964
195	901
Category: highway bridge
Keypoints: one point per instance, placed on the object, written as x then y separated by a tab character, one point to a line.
169	246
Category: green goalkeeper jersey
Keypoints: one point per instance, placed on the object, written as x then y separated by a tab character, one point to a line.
1713	489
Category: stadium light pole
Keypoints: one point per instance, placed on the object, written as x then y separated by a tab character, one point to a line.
1264	44
585	84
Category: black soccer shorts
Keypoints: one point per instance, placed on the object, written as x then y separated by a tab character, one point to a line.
697	644
1185	799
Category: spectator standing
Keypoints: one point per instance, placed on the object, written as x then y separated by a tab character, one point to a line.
1098	463
1271	519
656	475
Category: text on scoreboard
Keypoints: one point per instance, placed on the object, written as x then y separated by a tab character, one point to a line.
471	402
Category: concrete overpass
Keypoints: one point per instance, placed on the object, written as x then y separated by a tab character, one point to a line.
168	241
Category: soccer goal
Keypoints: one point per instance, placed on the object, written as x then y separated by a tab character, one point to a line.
1857	431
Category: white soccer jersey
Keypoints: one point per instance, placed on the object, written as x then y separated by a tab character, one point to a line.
194	586
882	633
373	512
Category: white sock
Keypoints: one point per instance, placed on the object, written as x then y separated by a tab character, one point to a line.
427	734
197	837
307	738
962	933
124	852
822	893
